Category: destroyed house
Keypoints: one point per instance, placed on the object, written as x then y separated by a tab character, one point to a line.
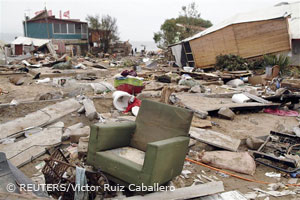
95	36
66	34
266	31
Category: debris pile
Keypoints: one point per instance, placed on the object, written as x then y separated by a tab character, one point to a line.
236	126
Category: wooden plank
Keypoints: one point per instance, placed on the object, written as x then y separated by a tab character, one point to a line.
23	151
40	118
256	98
202	104
215	139
248	40
185	192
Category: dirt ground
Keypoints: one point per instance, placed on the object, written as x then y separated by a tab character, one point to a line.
243	126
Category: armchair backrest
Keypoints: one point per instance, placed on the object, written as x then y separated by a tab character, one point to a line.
158	121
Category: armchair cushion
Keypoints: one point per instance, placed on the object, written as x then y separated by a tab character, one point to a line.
158	121
120	168
129	153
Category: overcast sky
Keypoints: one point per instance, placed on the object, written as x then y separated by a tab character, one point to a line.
136	19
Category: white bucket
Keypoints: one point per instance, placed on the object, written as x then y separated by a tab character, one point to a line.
120	100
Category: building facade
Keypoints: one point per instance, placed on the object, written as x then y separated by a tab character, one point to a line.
67	35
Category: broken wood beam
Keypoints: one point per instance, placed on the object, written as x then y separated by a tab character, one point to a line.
24	151
39	118
256	98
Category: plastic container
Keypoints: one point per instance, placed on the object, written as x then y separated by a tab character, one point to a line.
239	98
121	99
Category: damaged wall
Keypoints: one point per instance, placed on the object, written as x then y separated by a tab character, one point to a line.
245	39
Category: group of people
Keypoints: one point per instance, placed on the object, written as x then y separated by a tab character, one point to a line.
133	52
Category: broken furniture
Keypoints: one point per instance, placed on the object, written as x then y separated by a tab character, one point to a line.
280	151
55	170
149	151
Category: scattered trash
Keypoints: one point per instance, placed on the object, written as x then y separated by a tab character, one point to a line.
121	100
287	113
51	104
32	131
45	80
222	175
235	83
273	174
102	87
240	98
14	102
185	173
276	193
188	69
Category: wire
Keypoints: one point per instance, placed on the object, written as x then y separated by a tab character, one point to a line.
228	173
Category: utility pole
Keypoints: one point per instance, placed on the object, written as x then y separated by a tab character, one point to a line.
25	25
28	10
25	22
47	22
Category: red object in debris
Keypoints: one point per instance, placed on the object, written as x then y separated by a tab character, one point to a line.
67	14
130	89
136	102
287	113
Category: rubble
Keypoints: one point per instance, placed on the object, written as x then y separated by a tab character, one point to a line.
226	113
77	133
90	110
240	162
254	143
51	100
17	80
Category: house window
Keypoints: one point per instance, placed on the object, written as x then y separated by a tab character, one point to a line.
71	28
77	28
56	28
84	28
63	28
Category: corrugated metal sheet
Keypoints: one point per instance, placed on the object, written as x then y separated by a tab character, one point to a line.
30	41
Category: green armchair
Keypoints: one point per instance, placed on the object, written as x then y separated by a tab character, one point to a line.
149	151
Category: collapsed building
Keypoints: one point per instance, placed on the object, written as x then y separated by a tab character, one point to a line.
266	31
67	35
96	42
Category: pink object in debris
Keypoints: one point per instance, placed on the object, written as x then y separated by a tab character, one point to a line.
287	113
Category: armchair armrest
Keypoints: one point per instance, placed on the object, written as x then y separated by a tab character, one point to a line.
164	159
109	136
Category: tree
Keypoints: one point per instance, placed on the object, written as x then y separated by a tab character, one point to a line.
94	22
185	25
106	27
110	30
